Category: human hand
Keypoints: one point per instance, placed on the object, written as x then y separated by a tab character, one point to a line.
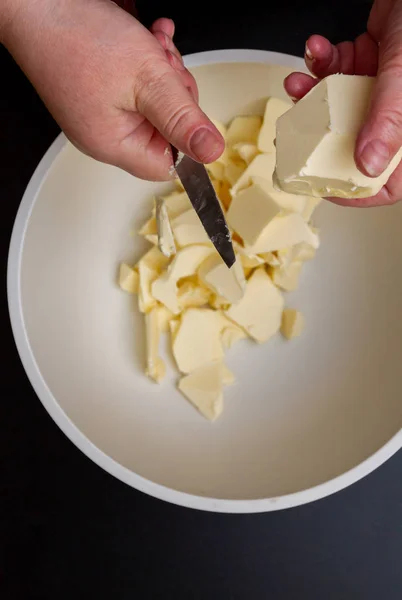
119	91
379	51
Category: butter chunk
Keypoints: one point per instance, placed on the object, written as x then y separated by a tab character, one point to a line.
261	166
146	275
233	171
189	294
176	203
274	108
164	316
292	323
315	141
166	242
216	170
128	279
184	264
197	341
154	259
228	377
156	368
283	231
243	129
287	276
204	389
149	231
245	151
187	229
231	334
224	282
251	211
259	312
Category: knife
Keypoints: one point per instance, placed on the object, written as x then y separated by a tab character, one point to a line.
201	192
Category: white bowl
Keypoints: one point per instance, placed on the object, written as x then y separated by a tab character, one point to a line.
305	419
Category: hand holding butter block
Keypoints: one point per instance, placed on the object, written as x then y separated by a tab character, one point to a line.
316	138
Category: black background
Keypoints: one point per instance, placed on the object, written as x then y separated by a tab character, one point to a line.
69	530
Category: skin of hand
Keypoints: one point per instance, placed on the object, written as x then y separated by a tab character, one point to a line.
119	92
376	52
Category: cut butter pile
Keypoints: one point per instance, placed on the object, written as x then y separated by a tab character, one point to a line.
185	290
315	141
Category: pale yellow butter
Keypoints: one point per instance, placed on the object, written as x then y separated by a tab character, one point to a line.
316	138
292	323
260	310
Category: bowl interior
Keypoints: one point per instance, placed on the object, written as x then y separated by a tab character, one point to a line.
300	413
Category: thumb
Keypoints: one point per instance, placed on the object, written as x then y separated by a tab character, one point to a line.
166	102
381	136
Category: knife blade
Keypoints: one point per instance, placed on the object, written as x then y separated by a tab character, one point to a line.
199	188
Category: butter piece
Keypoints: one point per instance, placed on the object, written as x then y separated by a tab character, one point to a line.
234	171
188	230
224	282
292	323
174	325
315	141
224	194
270	259
287	277
244	129
128	279
165	236
203	388
164	317
224	157
149	231
147	276
274	108
176	203
218	302
184	264
251	211
283	231
228	377
197	341
154	259
155	368
215	170
248	260
261	166
260	310
231	334
245	151
189	294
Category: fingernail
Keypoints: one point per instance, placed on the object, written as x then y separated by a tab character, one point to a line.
307	52
375	157
204	143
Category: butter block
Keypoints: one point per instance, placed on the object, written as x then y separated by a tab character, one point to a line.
184	264
149	231
228	377
261	166
274	108
315	141
227	283
166	243
244	130
259	312
203	388
154	259
164	317
197	341
233	171
128	279
292	323
155	368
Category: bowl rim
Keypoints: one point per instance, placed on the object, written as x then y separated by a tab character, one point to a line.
44	394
